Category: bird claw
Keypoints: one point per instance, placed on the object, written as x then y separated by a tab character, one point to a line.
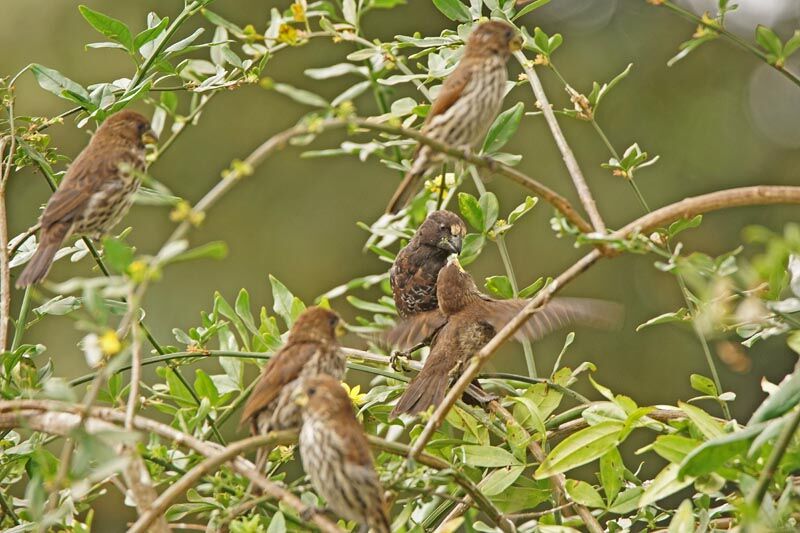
308	514
398	361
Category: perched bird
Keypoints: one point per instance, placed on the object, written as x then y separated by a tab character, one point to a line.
336	455
413	274
96	191
468	319
311	349
468	102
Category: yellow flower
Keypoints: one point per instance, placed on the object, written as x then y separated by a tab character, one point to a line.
137	270
298	12
287	34
110	343
354	394
183	211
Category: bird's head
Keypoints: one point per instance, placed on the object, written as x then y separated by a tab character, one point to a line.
317	324
494	37
323	397
442	230
455	288
127	126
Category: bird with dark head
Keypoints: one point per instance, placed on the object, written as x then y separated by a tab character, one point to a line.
468	319
96	191
336	455
311	349
413	274
467	104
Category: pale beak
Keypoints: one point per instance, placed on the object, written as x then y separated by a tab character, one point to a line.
149	137
516	43
451	244
300	399
341	329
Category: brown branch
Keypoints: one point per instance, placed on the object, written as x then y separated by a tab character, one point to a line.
757	195
566	152
60	418
5	270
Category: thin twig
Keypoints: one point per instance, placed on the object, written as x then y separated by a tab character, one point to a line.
136	366
566	152
756	497
5	270
757	195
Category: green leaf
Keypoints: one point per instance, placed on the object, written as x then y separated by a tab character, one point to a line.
277	524
301	95
674	448
204	387
612	473
471	210
530	7
768	40
471	248
702	420
242	307
485	456
117	254
627	501
522	208
580	448
490	208
534	419
500	479
714	453
532	289
285	303
684	224
453	9
212	250
499	286
150	34
584	494
664	484
683	521
112	28
681	315
503	128
792	44
703	384
779	402
55	82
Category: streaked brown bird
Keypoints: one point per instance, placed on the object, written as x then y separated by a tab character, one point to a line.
336	455
467	104
413	274
311	349
467	320
96	191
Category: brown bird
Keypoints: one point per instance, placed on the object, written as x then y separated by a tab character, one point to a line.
96	191
336	455
467	104
469	319
413	274
311	349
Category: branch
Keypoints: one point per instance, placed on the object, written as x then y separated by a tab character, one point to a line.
61	418
757	195
5	270
756	498
566	153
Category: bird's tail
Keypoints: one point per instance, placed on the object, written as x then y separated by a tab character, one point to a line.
405	191
39	265
426	389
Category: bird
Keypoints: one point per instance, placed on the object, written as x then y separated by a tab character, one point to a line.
312	348
468	319
96	191
467	104
335	454
414	271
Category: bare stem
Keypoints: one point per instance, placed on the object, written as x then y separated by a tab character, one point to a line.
566	152
756	497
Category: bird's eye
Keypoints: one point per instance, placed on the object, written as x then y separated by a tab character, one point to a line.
333	321
312	391
442	227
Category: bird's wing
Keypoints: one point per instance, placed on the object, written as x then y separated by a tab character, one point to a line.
79	184
412	331
556	314
284	368
451	90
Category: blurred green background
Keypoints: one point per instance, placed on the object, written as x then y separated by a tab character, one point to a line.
718	119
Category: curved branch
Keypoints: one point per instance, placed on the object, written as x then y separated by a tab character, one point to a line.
742	196
60	418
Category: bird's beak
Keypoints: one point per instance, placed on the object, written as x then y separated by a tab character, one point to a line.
451	243
300	398
149	137
516	43
341	329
